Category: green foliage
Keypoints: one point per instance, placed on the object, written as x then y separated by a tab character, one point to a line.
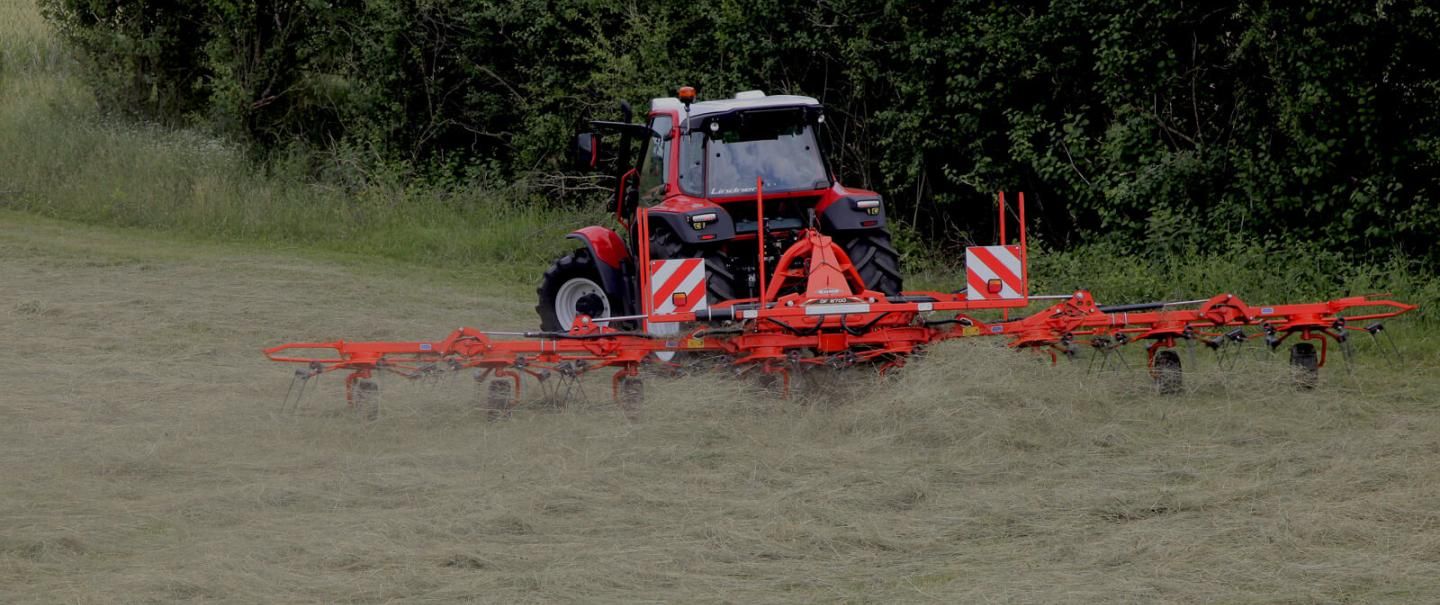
1313	120
59	157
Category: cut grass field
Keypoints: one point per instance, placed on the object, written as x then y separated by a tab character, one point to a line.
144	460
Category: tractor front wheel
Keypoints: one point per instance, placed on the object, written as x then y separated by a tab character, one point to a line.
571	288
876	260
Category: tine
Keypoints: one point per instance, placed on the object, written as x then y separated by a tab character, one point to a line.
299	394
1347	352
1399	357
1120	355
285	403
311	382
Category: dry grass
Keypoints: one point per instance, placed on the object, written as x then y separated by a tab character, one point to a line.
143	460
27	43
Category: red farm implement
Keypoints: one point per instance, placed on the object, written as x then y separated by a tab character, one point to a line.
814	310
740	243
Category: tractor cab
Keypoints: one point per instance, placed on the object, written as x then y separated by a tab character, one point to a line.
726	146
701	169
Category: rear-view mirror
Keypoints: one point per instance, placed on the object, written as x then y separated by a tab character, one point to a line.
587	151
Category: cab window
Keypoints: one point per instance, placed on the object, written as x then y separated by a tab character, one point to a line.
656	163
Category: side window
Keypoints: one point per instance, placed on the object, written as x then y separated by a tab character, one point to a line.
692	163
655	164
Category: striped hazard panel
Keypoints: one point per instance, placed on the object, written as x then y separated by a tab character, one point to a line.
677	285
994	273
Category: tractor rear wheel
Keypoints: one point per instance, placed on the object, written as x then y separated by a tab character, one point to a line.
876	260
571	288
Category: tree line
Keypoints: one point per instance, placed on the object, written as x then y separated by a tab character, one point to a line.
1163	124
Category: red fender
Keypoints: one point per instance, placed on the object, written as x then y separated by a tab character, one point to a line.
607	247
604	244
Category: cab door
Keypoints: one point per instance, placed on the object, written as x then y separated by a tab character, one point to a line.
656	159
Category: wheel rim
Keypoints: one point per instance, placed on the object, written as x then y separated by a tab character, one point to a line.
578	296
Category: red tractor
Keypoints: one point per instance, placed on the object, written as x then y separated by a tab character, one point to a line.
695	167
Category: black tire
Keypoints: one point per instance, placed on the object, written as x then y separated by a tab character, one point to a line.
497	398
720	282
1169	378
1305	363
632	396
876	259
367	400
574	266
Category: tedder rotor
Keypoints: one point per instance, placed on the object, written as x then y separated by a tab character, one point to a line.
813	308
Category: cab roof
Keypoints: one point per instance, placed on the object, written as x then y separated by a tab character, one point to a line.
750	99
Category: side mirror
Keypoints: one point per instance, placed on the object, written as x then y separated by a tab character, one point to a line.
587	151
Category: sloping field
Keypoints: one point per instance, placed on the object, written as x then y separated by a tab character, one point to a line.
143	458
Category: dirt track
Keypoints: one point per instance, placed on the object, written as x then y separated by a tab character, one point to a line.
143	459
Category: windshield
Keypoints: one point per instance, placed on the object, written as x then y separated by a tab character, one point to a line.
784	154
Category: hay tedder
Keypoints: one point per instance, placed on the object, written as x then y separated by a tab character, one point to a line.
745	255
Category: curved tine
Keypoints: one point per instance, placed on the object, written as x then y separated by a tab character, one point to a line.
1347	352
1399	357
298	376
303	377
1119	352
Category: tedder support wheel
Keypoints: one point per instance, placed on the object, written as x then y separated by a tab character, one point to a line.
1169	380
367	400
632	396
497	398
720	283
1305	364
572	287
875	259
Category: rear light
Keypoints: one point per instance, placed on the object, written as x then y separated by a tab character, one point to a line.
697	222
994	286
680	298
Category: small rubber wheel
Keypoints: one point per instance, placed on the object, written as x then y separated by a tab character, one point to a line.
1305	364
875	259
570	288
632	396
367	400
498	395
1169	379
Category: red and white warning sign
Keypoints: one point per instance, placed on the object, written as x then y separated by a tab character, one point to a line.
677	285
994	273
